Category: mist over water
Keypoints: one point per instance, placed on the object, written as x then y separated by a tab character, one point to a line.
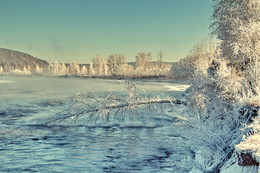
26	146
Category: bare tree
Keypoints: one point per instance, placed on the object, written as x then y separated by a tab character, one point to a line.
160	59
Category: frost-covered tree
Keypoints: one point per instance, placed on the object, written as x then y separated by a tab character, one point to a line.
55	68
63	69
38	70
84	71
105	69
1	70
126	70
114	62
202	55
58	69
91	69
142	60
198	60
224	99
29	68
26	71
100	65
74	69
237	26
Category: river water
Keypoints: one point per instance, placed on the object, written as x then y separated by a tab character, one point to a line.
28	146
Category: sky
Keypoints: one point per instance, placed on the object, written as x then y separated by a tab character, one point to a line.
67	30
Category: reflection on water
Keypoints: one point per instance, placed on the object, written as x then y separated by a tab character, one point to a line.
28	147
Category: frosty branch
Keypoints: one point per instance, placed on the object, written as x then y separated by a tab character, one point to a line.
111	108
93	107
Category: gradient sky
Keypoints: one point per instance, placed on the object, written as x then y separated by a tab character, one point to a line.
67	30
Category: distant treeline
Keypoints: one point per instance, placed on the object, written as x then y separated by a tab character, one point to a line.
114	65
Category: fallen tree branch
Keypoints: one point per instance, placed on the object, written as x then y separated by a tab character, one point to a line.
127	105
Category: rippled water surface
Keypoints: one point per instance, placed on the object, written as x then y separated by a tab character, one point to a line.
27	146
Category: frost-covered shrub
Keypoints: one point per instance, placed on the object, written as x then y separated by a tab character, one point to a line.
197	61
226	99
219	105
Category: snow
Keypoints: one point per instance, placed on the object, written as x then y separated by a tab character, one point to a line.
20	72
257	155
177	87
235	168
252	144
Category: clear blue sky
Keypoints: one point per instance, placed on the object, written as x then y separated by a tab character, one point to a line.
67	30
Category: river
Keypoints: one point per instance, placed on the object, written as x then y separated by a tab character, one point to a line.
28	146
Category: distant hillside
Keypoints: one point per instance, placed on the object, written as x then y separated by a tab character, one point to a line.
10	59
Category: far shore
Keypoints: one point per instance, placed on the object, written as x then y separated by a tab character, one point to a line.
163	79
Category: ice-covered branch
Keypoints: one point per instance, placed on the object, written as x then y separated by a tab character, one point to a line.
90	107
106	110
